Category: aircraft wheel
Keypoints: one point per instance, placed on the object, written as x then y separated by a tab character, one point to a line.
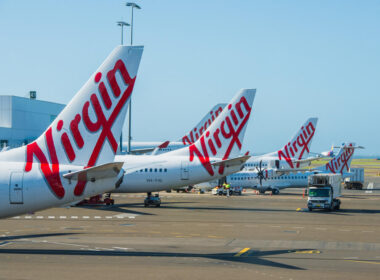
275	191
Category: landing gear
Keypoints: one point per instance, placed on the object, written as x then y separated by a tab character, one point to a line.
275	191
262	191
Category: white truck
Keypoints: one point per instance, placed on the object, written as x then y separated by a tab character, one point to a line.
323	191
355	180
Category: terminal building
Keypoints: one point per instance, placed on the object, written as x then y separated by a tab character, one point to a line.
23	119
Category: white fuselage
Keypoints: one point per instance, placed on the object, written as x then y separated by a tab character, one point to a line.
248	179
271	160
146	173
25	192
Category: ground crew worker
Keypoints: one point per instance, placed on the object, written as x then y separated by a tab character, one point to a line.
228	186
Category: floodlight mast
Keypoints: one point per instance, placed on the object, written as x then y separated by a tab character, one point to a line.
122	24
133	6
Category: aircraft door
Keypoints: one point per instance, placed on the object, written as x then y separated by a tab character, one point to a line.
277	163
16	195
184	170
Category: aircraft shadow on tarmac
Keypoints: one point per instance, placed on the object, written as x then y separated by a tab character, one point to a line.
256	259
121	208
167	206
27	236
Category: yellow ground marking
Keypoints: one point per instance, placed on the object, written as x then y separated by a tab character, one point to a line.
214	236
298	209
242	252
370	262
183	236
308	252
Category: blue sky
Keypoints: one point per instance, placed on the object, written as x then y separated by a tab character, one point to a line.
306	58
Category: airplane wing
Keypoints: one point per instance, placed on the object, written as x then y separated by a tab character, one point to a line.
142	151
309	159
280	172
232	161
154	150
107	170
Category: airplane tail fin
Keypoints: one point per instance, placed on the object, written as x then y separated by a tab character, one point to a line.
201	127
341	162
299	146
86	132
224	137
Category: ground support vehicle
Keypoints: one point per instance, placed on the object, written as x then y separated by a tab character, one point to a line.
355	180
324	190
152	201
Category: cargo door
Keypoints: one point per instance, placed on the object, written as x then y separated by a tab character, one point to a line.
16	195
184	170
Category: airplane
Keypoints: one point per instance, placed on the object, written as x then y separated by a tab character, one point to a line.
139	147
74	157
292	155
276	179
214	155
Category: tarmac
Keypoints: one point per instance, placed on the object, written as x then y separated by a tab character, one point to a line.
197	236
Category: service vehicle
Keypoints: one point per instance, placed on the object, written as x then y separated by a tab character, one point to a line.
152	201
355	180
324	190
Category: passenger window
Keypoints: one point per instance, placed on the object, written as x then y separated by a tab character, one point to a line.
150	170
146	169
165	170
160	169
155	170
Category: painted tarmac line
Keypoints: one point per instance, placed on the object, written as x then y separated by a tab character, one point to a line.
369	262
370	188
242	252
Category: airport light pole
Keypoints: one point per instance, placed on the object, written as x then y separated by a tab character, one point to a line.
122	24
133	6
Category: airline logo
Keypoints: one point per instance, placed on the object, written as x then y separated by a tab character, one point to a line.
341	163
193	136
223	137
50	163
298	147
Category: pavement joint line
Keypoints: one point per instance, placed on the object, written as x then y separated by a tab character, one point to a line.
242	252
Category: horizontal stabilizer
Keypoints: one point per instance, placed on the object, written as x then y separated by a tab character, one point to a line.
232	161
107	170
